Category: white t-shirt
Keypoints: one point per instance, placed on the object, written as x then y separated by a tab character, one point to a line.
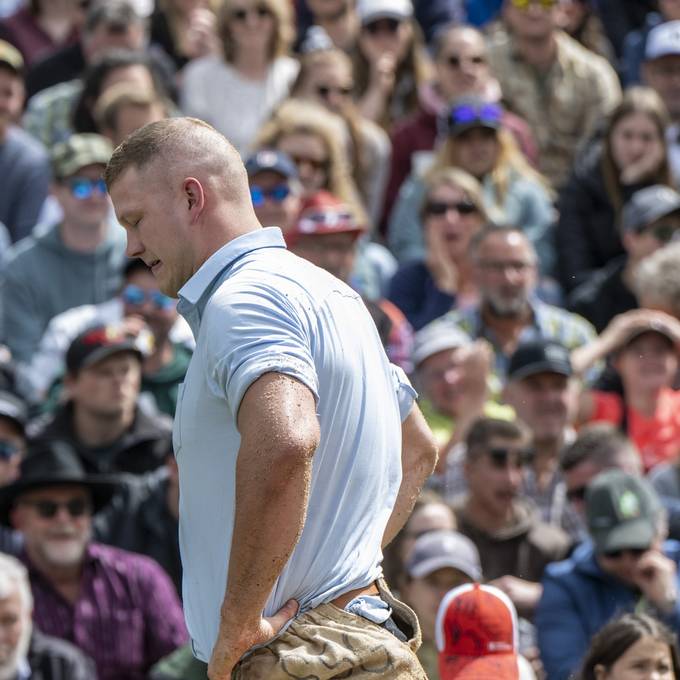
214	91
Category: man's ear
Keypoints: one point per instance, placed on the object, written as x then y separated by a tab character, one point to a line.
194	196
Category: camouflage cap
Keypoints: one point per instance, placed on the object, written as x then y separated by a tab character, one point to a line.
78	151
11	57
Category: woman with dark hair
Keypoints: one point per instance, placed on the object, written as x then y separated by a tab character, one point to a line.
43	26
237	90
631	155
633	647
390	62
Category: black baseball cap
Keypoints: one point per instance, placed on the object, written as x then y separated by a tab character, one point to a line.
539	356
98	343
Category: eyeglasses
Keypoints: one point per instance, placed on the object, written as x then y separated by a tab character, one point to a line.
76	507
325	91
83	188
136	296
314	163
577	494
618	554
524	4
469	113
8	450
277	194
502	267
454	61
500	456
440	208
665	233
261	12
387	25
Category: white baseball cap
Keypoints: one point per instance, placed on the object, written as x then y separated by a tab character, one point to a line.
371	10
663	40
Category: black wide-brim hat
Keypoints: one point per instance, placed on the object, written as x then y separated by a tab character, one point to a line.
54	463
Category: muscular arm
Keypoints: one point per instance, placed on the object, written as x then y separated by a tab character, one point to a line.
279	435
418	458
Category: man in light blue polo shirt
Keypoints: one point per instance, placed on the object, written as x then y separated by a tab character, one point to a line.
299	447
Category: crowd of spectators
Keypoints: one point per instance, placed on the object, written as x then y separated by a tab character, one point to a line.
498	179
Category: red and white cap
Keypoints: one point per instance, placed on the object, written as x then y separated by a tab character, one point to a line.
323	213
476	634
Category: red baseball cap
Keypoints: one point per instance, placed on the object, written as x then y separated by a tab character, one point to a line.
324	213
476	634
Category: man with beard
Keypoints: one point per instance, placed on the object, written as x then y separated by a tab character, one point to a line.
514	544
118	607
24	651
504	268
544	397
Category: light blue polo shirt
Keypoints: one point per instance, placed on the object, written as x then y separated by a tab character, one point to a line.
256	308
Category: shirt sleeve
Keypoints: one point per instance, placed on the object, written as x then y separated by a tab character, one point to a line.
406	395
253	333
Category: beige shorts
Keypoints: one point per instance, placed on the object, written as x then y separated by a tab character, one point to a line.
328	642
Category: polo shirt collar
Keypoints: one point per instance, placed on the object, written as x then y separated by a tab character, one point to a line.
194	289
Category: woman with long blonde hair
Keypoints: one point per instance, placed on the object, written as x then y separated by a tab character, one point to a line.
513	192
237	90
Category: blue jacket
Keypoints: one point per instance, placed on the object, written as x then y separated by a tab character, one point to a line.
578	600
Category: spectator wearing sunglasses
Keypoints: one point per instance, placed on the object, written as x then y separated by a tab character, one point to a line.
75	262
452	213
238	92
631	155
102	416
275	189
390	62
326	78
598	447
513	543
139	305
461	70
513	192
24	165
119	608
559	87
649	220
626	567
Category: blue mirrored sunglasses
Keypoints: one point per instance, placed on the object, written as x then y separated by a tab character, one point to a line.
8	450
278	194
467	113
83	188
135	296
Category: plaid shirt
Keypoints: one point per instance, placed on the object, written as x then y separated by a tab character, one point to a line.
48	116
562	105
127	615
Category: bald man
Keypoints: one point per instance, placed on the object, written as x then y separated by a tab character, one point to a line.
300	449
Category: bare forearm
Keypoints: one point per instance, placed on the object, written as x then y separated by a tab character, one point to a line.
419	457
271	503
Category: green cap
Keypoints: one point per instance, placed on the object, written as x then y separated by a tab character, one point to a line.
10	56
622	511
78	151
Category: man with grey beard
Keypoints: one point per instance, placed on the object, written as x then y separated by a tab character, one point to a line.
504	269
25	652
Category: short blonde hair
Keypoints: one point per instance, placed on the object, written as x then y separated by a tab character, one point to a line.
117	97
284	27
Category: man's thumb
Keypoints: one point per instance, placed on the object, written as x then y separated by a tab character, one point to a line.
286	612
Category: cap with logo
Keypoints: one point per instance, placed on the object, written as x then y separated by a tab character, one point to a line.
372	10
648	205
11	58
539	356
476	634
272	160
324	213
663	40
100	342
622	511
468	113
438	336
79	151
439	549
